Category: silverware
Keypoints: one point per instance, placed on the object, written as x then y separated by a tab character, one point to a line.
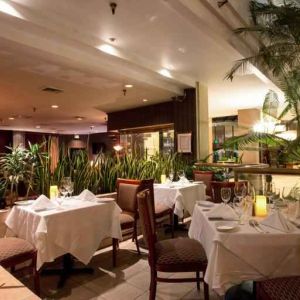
257	226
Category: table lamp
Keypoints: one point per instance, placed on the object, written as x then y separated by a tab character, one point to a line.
53	192
260	206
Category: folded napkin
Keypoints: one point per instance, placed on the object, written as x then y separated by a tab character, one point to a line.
223	211
278	221
86	195
43	203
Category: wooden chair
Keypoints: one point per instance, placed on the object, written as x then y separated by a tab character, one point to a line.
206	177
287	288
173	255
126	199
216	187
14	251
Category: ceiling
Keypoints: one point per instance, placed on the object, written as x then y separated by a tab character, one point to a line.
58	44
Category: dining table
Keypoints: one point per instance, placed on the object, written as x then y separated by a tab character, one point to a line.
244	253
180	196
75	228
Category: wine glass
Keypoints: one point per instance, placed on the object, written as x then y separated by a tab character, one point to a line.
171	175
70	188
62	189
226	194
239	208
240	190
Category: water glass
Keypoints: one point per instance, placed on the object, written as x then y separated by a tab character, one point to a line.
226	194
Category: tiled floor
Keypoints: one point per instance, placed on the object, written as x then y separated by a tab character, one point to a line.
130	280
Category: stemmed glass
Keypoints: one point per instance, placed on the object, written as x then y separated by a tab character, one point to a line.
240	190
225	194
171	175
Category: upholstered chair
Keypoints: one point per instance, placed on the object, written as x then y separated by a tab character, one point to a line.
287	288
15	251
206	177
127	190
172	255
216	187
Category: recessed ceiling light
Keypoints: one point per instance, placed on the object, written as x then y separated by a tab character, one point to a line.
11	118
54	106
145	100
38	126
78	118
108	49
76	136
128	86
165	72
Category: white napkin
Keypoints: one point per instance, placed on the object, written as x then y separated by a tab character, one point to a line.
43	203
278	221
86	195
223	211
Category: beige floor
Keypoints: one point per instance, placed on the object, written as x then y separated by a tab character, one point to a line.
129	280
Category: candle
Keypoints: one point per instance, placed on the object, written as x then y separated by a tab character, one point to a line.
163	178
260	206
53	191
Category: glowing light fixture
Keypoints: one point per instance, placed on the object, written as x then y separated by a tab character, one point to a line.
108	49
76	137
145	100
38	126
165	72
9	9
11	118
54	106
118	148
128	86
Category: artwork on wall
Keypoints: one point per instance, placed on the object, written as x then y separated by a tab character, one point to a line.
184	142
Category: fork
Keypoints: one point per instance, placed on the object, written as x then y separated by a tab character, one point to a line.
253	223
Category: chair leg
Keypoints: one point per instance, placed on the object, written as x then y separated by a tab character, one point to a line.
114	251
206	291
172	224
198	280
153	284
134	236
36	276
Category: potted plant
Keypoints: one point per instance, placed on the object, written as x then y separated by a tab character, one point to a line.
2	193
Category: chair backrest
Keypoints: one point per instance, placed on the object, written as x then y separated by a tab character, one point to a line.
206	177
216	187
146	213
127	190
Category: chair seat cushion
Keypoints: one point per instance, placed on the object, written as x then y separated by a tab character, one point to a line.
181	254
12	247
161	210
126	219
280	288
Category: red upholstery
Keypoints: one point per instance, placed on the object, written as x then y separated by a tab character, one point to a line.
278	289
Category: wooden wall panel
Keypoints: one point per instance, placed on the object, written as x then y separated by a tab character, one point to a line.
141	116
6	139
181	113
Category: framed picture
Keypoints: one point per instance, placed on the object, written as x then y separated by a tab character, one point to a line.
184	142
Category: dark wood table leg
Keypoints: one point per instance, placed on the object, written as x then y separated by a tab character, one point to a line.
67	270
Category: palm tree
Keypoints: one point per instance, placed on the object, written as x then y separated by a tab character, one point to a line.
278	27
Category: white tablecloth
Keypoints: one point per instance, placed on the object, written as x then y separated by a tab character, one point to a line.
181	197
244	254
77	228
